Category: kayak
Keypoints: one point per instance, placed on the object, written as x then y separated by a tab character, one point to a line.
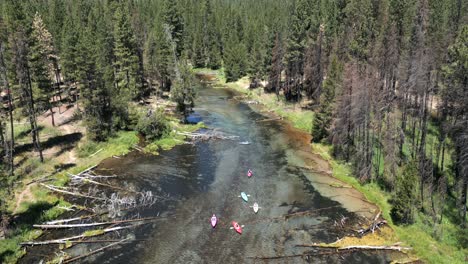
244	143
249	173
237	227
255	207
214	220
244	196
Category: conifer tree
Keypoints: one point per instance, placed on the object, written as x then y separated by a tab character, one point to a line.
125	54
274	76
174	19
41	59
183	91
322	119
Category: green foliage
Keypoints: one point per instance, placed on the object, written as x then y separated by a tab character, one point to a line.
153	125
183	92
125	52
331	85
404	200
174	20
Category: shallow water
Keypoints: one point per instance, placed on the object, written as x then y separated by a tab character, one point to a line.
207	178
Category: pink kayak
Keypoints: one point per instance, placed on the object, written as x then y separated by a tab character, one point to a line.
214	220
237	227
249	173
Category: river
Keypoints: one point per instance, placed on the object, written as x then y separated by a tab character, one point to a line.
207	178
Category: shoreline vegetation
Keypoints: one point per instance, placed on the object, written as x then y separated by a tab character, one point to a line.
35	204
418	235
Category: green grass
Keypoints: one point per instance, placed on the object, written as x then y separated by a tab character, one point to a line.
446	249
172	139
120	144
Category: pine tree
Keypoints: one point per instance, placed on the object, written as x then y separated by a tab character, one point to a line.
405	196
313	72
18	42
125	54
211	38
41	58
455	93
165	58
9	147
69	49
174	19
322	120
303	19
361	27
183	91
274	77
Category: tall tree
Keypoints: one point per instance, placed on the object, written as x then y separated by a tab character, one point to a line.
313	69
125	56
322	119
455	93
183	92
274	76
173	18
41	58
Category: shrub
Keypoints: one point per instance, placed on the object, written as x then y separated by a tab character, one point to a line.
153	125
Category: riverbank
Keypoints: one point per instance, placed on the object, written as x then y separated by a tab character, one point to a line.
418	235
66	150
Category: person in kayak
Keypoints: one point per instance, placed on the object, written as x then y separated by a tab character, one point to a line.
249	173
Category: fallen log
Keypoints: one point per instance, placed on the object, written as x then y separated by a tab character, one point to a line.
279	257
354	247
67	239
95	251
269	119
102	241
95	153
397	248
88	169
53	188
85	179
56	226
69	220
375	224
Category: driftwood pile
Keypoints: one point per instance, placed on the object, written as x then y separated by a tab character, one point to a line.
210	134
109	202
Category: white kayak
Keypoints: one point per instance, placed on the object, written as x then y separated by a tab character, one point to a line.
255	207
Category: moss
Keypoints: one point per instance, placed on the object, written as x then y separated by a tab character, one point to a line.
92	233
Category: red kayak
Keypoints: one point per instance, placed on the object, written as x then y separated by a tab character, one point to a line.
249	173
237	227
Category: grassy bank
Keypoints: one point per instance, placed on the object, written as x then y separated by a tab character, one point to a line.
444	249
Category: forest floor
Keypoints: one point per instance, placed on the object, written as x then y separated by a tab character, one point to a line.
433	247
